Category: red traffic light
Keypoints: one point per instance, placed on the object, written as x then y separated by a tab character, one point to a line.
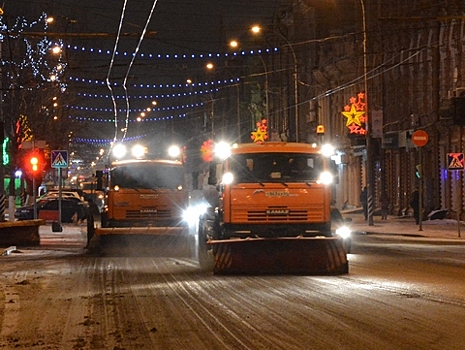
34	164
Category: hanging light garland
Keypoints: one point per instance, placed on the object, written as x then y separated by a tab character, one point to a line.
102	142
160	86
102	120
150	97
183	56
35	60
137	110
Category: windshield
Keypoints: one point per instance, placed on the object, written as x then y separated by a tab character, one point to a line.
276	167
148	175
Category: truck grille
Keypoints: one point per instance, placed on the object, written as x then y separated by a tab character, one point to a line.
290	215
153	215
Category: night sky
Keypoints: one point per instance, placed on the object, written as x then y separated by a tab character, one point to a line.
182	27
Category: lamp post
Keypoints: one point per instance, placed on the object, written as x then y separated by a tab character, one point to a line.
369	161
211	66
235	45
256	30
267	110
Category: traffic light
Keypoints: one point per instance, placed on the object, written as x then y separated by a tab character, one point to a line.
34	161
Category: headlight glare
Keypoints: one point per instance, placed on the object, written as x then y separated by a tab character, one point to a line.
343	232
228	178
326	178
191	215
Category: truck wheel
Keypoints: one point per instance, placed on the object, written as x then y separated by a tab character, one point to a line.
91	238
205	252
90	228
104	220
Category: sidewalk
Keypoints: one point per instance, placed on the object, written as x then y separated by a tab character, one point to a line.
406	227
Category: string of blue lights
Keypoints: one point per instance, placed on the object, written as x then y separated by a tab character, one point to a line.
150	97
181	56
160	86
132	110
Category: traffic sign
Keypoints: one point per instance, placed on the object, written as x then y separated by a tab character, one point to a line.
59	159
455	161
420	138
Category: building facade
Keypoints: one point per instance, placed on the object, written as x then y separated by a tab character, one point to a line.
406	61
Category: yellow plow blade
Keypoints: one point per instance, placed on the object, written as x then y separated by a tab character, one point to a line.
301	255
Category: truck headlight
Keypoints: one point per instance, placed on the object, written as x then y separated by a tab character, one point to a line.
228	178
344	232
326	178
191	215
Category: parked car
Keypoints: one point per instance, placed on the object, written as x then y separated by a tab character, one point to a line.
55	193
71	209
341	227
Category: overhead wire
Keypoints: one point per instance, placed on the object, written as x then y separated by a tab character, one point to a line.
112	61
134	55
124	85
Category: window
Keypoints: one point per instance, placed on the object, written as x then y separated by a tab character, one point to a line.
148	175
276	167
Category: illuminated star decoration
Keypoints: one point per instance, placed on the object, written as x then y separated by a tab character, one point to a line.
206	150
261	134
355	114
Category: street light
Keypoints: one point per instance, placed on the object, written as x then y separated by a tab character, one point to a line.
267	110
256	30
211	66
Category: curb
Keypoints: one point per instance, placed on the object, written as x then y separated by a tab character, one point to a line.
410	237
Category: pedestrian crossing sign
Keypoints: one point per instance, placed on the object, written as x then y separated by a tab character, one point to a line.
59	159
455	161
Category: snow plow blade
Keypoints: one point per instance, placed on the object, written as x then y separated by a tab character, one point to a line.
300	255
149	230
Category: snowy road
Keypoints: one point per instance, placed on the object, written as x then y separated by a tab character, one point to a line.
396	296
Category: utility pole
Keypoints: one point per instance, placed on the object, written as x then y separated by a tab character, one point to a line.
369	153
2	140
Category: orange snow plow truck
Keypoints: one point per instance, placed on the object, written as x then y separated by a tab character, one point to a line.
144	203
270	212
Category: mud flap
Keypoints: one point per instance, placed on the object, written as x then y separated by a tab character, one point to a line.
301	255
